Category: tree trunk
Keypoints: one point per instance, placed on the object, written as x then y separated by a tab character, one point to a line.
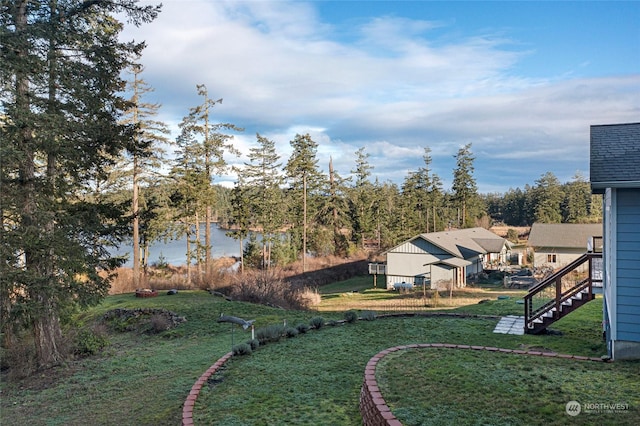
304	224
188	254
47	334
207	240
136	227
45	323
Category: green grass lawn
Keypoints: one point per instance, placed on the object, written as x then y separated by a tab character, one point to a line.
315	378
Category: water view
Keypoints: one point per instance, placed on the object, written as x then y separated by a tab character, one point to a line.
175	252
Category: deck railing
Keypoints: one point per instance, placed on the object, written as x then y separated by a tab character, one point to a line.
551	293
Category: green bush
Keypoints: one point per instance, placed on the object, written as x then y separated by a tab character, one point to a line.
254	343
316	322
351	316
90	342
368	315
270	333
302	328
242	349
291	332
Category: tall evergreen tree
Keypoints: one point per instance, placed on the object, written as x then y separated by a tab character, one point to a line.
465	190
577	197
547	199
205	142
58	134
362	198
264	179
241	213
146	157
334	211
304	177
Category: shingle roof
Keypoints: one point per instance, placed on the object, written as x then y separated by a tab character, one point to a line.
465	243
615	156
563	235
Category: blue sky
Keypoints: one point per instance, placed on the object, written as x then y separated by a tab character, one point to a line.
521	81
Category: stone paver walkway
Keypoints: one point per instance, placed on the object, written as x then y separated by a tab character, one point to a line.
511	324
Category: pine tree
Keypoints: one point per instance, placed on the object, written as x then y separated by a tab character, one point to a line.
465	190
204	142
334	211
362	198
577	197
146	157
59	132
263	179
547	199
304	177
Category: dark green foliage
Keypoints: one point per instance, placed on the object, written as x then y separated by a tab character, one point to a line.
90	341
254	343
60	134
316	322
351	316
368	315
242	349
302	328
291	332
512	235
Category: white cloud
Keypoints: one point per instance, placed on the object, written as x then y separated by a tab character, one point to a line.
394	87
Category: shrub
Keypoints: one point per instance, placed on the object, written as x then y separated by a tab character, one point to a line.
254	343
291	332
269	287
90	341
158	323
20	359
302	328
270	333
242	349
368	315
316	322
351	316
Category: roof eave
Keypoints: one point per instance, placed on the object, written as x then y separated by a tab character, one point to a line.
600	187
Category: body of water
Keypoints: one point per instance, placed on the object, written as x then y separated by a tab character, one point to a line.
175	252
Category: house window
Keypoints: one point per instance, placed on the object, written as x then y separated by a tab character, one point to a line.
551	258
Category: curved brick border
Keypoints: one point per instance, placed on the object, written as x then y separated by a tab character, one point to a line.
373	407
187	409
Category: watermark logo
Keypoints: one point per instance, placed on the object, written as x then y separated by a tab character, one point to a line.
573	408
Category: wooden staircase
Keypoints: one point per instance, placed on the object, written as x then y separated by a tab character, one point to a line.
560	294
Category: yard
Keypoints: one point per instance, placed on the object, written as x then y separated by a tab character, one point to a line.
315	378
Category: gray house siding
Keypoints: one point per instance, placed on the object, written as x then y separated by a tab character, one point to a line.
412	269
628	264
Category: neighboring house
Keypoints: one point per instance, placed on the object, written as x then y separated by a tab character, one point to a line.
558	244
615	173
441	260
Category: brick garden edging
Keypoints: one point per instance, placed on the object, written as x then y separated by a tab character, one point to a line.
374	409
187	409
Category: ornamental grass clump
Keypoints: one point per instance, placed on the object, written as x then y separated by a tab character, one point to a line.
368	315
291	332
302	328
270	333
351	316
316	322
242	349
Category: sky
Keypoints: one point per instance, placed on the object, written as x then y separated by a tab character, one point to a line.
522	82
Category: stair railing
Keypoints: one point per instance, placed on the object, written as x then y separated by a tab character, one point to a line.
560	296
